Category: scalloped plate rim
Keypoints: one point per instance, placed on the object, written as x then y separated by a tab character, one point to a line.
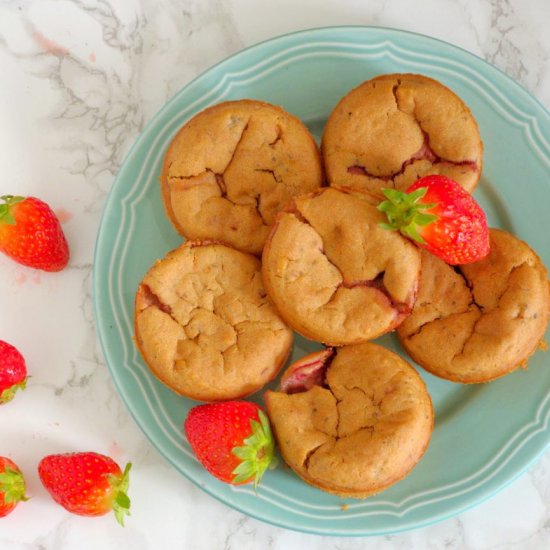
97	285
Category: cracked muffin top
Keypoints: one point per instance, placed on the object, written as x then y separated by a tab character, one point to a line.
205	326
491	314
396	128
361	428
232	167
334	274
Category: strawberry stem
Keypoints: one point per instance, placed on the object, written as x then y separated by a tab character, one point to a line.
6	214
405	213
257	453
9	393
12	486
121	501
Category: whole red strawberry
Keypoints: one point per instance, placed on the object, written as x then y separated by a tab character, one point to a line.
12	486
232	440
88	484
31	234
440	216
13	372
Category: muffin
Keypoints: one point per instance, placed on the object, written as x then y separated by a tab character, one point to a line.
396	128
361	427
490	315
334	274
205	326
232	167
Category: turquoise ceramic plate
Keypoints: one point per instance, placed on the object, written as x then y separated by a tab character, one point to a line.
484	435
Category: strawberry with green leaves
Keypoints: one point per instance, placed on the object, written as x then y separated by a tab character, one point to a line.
12	486
31	234
13	372
440	216
88	484
232	440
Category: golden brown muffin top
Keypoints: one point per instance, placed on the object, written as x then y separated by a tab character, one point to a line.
205	325
396	128
482	320
361	432
334	274
232	167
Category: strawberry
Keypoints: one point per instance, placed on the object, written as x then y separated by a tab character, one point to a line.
12	486
88	484
232	440
307	372
440	216
31	234
13	372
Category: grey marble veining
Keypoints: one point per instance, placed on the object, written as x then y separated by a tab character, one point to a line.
80	79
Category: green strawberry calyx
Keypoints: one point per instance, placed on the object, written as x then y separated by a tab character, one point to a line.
257	453
9	393
121	501
12	486
405	213
6	214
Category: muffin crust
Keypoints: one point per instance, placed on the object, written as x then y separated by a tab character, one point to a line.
396	128
205	326
482	320
334	274
232	167
362	431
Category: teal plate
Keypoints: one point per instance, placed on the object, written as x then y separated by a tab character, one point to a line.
485	435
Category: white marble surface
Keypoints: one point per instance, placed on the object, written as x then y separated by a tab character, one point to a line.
79	81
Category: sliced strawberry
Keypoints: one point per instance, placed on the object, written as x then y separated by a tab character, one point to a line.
307	372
